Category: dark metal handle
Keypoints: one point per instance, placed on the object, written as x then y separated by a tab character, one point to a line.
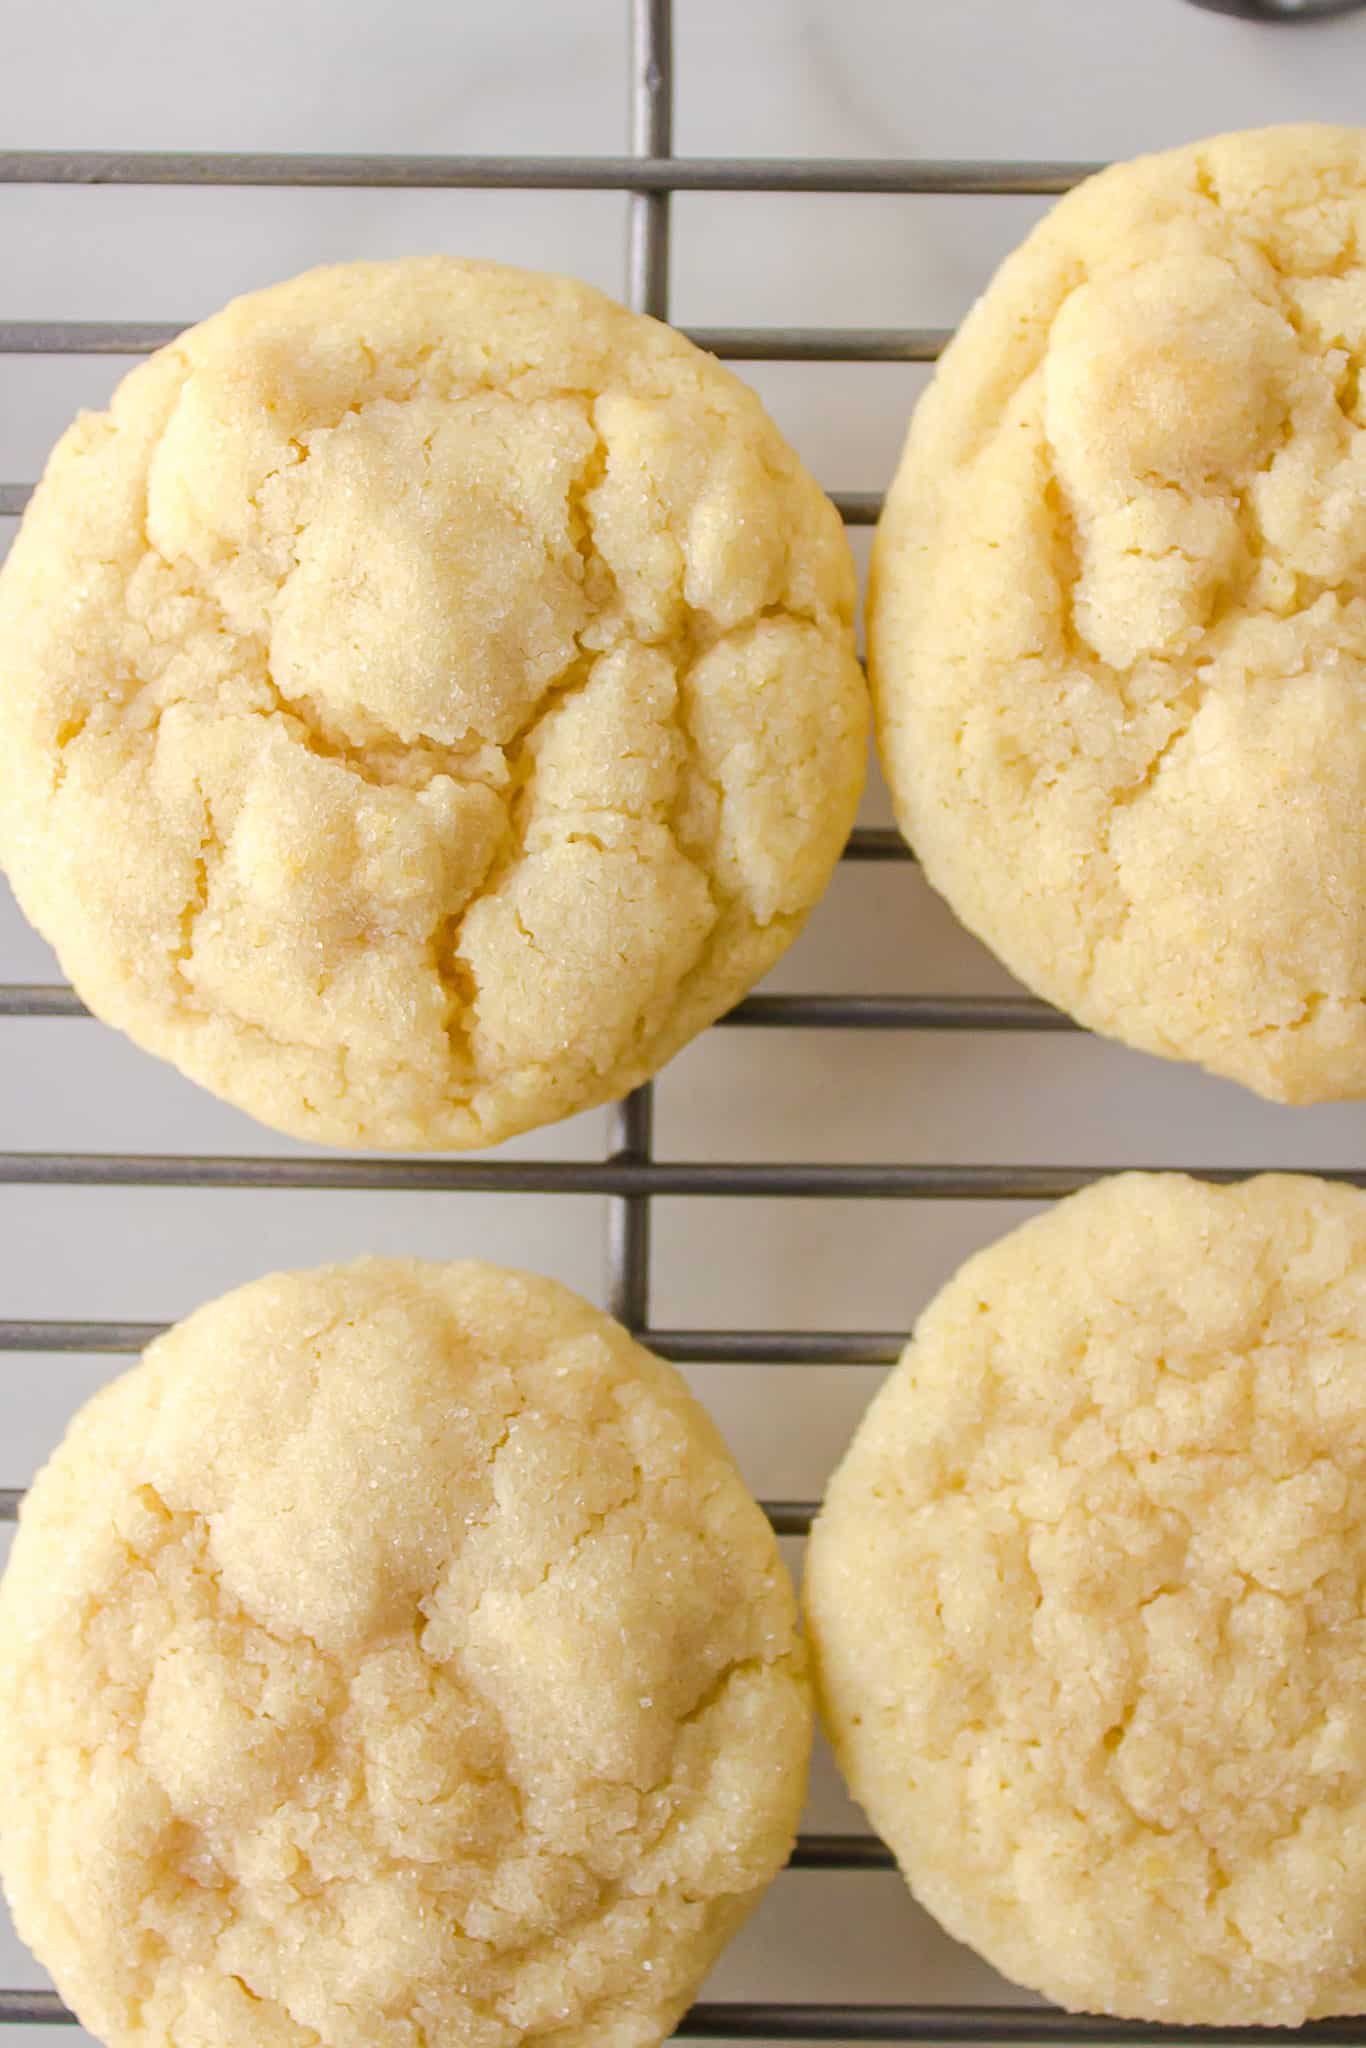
1280	10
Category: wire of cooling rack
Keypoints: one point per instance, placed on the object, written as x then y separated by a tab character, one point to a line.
630	1175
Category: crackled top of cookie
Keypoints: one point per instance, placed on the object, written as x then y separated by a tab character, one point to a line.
1118	630
394	1655
429	698
1087	1602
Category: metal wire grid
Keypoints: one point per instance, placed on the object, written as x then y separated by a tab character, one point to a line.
630	1174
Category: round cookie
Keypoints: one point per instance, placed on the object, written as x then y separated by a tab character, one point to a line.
1086	1602
430	699
393	1656
1117	626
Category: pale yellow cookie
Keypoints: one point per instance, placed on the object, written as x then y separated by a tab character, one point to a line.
394	1656
1086	1602
428	699
1117	629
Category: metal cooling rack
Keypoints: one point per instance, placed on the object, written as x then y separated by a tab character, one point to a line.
630	1173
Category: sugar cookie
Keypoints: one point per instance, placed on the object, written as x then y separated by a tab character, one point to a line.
1086	1602
1117	630
429	700
394	1655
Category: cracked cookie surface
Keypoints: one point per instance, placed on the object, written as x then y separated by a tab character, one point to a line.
1086	1602
1117	630
429	700
394	1656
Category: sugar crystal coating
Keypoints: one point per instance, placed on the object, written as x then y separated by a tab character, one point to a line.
393	1656
1117	629
429	700
1086	1602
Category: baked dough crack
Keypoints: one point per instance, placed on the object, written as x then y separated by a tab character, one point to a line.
510	648
1118	611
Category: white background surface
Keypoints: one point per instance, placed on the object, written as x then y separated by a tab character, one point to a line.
1040	78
